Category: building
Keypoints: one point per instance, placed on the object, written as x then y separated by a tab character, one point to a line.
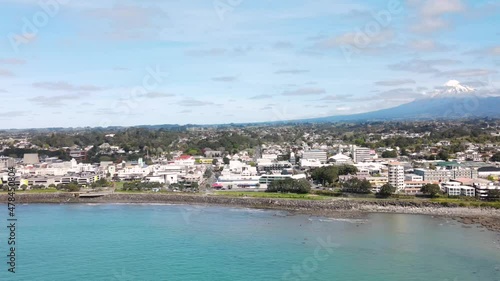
361	154
315	155
482	186
6	162
456	189
415	184
78	154
340	159
293	159
434	175
31	158
413	177
464	173
310	163
266	179
484	172
396	175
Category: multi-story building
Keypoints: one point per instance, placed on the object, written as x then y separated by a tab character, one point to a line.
396	175
464	173
6	162
413	177
456	189
443	174
361	154
434	175
315	155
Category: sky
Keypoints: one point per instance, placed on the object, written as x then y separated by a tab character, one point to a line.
68	63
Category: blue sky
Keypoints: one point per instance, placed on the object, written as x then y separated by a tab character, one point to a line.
66	63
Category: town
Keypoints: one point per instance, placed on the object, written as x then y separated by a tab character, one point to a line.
437	158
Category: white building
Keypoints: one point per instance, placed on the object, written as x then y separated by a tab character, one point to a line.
413	177
319	155
340	159
310	163
456	189
396	175
361	154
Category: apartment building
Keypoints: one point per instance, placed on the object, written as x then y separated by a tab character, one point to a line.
396	175
361	154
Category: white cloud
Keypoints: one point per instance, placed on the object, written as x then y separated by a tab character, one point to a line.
305	92
431	14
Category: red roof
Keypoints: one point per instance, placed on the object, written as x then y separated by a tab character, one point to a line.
184	157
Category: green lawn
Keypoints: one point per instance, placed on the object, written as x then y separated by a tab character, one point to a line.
467	202
256	194
49	190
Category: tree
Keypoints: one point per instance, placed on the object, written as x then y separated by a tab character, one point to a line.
494	194
195	185
430	189
357	186
387	190
330	174
214	162
226	161
389	154
208	173
495	157
443	155
289	185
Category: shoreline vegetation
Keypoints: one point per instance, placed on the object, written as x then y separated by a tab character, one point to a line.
316	205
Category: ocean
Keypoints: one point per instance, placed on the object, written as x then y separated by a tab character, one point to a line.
124	242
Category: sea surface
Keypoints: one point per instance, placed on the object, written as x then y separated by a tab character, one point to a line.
178	242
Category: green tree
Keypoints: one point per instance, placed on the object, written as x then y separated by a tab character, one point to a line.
195	185
430	189
226	160
330	174
387	190
495	157
494	194
289	185
208	173
389	154
356	185
443	155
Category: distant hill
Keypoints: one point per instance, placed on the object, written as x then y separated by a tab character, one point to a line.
431	108
453	101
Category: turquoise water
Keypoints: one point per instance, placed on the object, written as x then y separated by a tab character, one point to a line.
174	242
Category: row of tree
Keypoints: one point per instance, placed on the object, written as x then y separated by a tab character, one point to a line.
289	185
140	186
330	174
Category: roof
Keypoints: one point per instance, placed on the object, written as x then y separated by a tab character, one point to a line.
444	163
184	157
489	169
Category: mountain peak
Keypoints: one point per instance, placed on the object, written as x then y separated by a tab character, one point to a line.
452	88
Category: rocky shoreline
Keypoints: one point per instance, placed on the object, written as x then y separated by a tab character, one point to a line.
344	208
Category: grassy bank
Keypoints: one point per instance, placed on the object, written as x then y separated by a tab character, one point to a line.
466	203
254	194
35	191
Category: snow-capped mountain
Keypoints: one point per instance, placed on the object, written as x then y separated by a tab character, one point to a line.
451	101
452	88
